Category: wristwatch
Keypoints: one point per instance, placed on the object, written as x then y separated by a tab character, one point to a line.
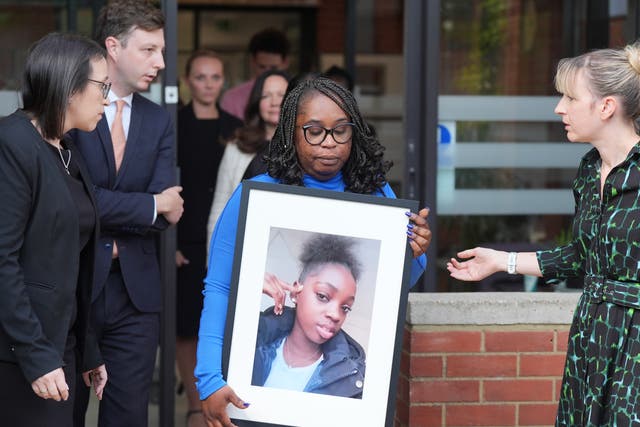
511	263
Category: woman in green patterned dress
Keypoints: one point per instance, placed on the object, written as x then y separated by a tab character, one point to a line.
600	105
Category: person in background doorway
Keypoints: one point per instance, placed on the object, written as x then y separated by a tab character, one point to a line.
243	157
48	233
340	76
203	127
268	50
600	105
299	78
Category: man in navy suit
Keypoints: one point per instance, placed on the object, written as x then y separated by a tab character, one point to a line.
130	157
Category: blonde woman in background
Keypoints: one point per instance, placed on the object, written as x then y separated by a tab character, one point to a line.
203	128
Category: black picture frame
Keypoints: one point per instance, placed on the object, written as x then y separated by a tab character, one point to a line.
275	216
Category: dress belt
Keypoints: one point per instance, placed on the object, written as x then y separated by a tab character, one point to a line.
598	289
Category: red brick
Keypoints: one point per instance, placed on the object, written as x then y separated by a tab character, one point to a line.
537	414
562	341
330	22
404	362
425	416
450	341
388	25
444	391
406	337
426	366
403	388
482	366
481	415
518	390
540	365
402	412
519	341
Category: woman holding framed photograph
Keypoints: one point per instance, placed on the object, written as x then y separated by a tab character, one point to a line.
321	142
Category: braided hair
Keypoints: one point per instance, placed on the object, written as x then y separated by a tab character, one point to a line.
365	170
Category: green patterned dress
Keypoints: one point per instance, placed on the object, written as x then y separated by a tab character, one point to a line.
601	384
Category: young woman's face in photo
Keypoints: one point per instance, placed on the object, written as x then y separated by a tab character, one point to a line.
326	298
322	161
579	111
205	80
273	92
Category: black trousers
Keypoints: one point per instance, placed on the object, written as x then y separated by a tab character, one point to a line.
128	341
19	405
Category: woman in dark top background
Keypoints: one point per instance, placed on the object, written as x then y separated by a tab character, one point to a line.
202	129
48	228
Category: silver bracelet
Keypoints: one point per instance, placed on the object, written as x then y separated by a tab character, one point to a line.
511	262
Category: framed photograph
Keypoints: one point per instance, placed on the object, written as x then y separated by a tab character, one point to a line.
330	355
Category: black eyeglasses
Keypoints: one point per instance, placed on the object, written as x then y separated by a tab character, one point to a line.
315	134
104	87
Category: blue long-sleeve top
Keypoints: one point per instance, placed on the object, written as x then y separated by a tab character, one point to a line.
216	285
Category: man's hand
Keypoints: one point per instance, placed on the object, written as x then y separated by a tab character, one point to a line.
170	204
96	377
181	259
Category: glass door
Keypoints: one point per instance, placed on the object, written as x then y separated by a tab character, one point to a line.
505	168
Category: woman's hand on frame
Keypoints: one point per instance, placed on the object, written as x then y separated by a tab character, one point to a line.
214	407
419	232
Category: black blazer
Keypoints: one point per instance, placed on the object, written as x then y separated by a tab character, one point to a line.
39	281
201	145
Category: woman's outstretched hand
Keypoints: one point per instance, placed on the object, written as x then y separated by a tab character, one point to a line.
481	262
419	232
214	407
276	289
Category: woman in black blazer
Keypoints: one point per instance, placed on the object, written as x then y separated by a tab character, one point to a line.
48	229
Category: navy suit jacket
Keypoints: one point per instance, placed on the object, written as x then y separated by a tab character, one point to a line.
125	200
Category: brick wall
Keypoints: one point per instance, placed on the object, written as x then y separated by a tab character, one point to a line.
330	24
484	368
386	20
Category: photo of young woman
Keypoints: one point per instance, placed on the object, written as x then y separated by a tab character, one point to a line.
302	344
